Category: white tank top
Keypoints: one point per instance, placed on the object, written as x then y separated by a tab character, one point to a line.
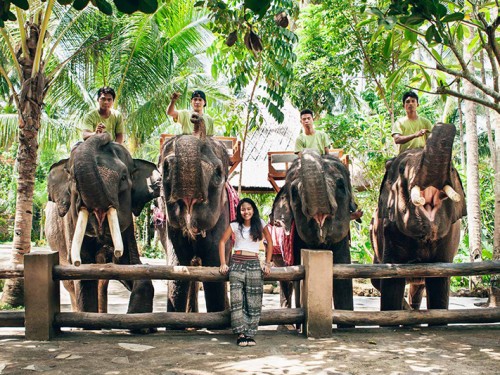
244	241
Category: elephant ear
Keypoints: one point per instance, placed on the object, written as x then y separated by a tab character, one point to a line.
459	208
146	183
281	209
58	186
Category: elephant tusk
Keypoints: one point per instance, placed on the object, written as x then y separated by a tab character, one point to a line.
415	196
76	244
451	193
114	228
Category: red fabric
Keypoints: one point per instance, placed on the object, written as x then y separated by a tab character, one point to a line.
278	237
233	199
283	242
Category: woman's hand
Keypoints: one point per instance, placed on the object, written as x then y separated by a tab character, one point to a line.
223	269
266	268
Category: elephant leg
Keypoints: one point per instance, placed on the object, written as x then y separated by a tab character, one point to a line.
86	295
342	288
216	296
286	289
342	298
415	295
392	294
192	297
102	288
70	287
141	298
177	295
438	292
102	298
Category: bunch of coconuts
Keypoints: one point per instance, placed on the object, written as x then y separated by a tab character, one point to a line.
251	39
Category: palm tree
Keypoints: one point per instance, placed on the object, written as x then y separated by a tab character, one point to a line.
65	55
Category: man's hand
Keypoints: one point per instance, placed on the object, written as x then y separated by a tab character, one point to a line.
101	128
421	132
176	95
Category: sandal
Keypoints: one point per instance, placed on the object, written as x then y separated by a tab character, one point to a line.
250	341
241	341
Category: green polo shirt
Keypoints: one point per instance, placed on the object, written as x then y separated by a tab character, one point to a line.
405	126
184	118
114	123
317	141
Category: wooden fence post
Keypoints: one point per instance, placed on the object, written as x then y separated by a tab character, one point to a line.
317	292
41	295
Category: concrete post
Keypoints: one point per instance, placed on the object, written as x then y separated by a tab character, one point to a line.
41	295
317	292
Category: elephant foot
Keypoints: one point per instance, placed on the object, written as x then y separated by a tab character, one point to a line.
143	331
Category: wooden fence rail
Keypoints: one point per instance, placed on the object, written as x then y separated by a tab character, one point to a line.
340	271
214	320
43	318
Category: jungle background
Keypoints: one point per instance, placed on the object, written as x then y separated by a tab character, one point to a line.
349	61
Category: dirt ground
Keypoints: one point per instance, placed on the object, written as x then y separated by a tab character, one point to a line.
446	350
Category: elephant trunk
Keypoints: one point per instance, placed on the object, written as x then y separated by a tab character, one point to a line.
435	163
188	175
315	197
199	126
91	177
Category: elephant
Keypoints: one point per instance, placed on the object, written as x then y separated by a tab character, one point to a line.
418	219
195	202
316	200
92	196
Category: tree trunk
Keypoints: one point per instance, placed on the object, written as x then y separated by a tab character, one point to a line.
491	142
29	108
473	201
461	129
495	279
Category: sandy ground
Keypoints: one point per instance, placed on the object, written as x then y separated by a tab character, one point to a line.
471	349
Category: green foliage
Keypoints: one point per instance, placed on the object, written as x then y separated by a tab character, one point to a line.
251	43
125	6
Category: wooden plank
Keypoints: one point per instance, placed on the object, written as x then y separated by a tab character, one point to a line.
145	271
283	158
408	317
11	318
170	320
340	271
12	272
382	271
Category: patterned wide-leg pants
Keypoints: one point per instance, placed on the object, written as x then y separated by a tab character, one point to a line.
246	281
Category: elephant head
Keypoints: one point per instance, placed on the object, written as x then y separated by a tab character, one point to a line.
422	192
317	196
101	182
194	173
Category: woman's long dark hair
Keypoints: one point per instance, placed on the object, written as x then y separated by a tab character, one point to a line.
255	223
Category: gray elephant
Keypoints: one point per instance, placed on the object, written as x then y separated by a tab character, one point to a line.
418	218
92	196
317	199
194	170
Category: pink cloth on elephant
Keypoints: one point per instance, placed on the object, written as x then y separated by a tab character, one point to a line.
283	242
232	197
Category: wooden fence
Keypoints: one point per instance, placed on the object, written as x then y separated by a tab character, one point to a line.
42	318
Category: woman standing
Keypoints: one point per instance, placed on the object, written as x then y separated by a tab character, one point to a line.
246	273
